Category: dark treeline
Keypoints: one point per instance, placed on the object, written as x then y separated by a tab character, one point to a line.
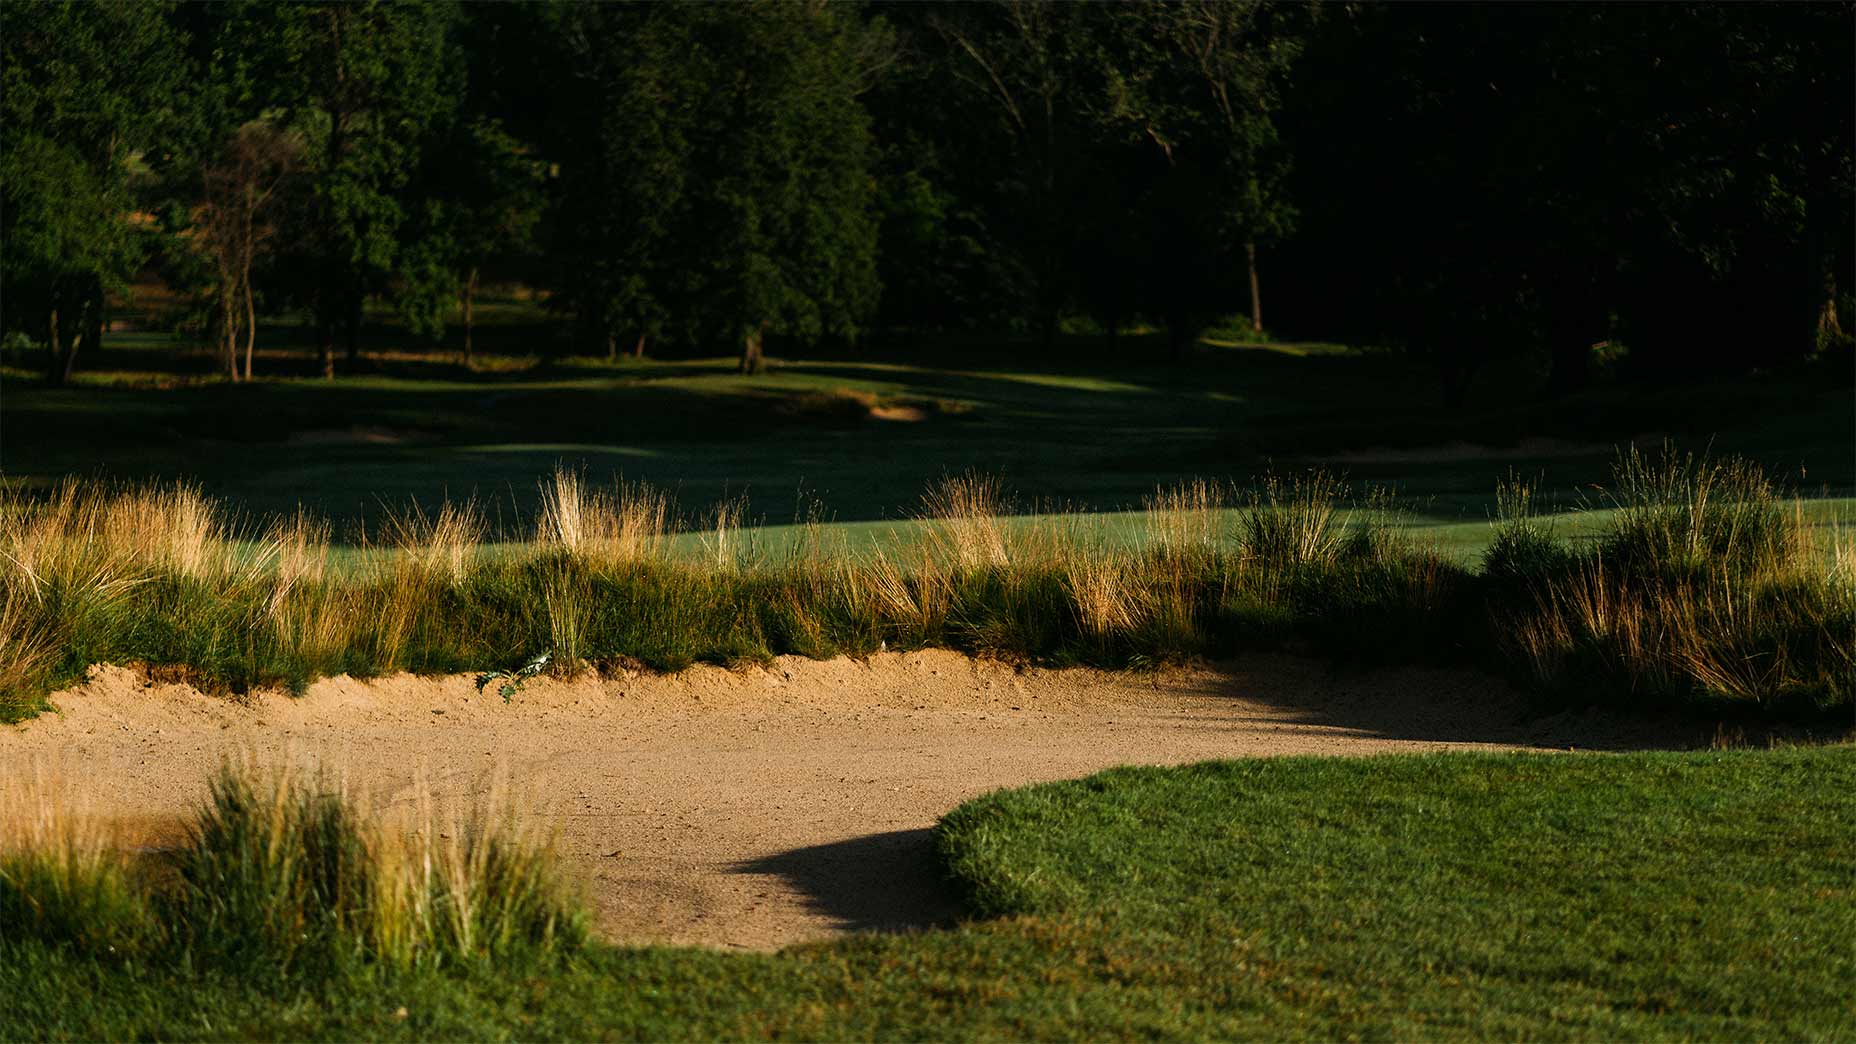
1460	182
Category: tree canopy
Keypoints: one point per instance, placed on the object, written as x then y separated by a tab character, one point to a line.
1461	182
85	92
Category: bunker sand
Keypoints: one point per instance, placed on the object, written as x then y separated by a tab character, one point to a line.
761	807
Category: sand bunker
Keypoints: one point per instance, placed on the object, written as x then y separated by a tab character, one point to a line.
761	807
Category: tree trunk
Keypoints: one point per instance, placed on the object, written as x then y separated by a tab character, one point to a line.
612	346
90	324
1256	293
53	350
228	326
70	359
335	275
93	326
355	302
470	301
753	360
251	324
638	349
326	335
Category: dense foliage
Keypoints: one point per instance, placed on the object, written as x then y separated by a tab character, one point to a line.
1461	182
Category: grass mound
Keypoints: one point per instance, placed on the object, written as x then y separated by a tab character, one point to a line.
1658	894
1642	896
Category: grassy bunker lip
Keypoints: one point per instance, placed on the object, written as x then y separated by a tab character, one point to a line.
1704	588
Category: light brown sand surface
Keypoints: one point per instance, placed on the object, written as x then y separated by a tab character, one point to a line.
765	806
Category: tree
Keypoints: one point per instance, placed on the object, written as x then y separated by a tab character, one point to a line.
236	226
366	84
1195	87
475	203
1235	54
783	200
1040	66
620	124
83	90
1569	174
722	191
1123	156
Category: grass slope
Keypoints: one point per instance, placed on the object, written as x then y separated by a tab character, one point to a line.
1645	896
1075	428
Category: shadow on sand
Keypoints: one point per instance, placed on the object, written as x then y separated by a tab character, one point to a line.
888	882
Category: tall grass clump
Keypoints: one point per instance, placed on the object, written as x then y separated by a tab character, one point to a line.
817	598
962	514
1332	567
287	875
1677	512
285	871
1188	521
1703	588
1525	547
1294	522
624	524
65	878
87	566
27	654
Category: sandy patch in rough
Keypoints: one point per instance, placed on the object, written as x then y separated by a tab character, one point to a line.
906	414
761	807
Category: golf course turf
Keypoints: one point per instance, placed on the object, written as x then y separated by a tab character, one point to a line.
1654	895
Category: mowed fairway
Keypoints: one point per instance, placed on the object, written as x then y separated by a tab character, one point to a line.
861	438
